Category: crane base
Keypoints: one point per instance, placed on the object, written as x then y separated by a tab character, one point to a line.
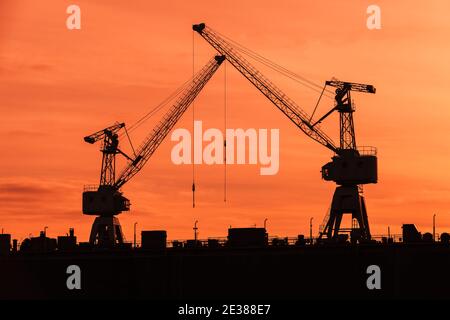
347	200
106	232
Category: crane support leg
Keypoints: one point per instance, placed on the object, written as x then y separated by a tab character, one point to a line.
106	232
347	200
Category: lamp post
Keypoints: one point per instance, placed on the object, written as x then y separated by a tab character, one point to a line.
195	231
265	223
434	227
135	224
310	230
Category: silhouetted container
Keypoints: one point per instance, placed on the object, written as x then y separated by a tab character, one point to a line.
300	240
5	243
193	244
42	244
427	237
445	238
177	244
410	234
67	243
213	243
247	237
84	246
279	242
154	240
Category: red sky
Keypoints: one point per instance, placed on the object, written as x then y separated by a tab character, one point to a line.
58	85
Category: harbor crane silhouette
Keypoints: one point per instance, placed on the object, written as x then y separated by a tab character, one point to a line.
350	168
106	200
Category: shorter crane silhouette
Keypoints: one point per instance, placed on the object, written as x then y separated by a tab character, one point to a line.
106	201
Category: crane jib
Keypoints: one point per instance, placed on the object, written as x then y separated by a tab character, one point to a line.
265	86
169	120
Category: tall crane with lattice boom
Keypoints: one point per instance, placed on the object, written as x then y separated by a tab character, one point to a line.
350	168
107	200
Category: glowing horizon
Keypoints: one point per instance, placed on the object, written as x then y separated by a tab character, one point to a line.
59	85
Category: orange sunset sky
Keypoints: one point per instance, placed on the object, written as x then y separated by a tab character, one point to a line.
58	85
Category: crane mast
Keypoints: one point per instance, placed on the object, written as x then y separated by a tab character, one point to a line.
109	149
107	200
350	167
344	105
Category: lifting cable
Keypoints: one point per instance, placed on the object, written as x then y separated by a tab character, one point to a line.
246	51
317	104
151	113
225	135
193	123
129	140
157	108
276	67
